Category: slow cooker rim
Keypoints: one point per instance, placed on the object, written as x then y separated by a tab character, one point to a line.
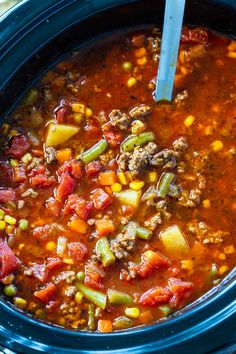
198	307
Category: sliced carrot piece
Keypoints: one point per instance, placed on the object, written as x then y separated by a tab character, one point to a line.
63	155
104	227
78	225
104	326
107	178
46	294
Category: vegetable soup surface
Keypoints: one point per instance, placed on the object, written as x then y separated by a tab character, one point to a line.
116	211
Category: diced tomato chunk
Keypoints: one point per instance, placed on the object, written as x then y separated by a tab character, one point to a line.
46	294
93	168
7	195
8	261
73	167
19	145
66	186
100	199
113	138
82	207
155	296
78	251
42	233
54	206
196	35
19	174
92	131
53	263
39	170
43	181
180	290
42	271
60	111
94	276
150	261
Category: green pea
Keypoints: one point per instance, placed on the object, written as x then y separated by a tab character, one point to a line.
10	290
24	224
126	65
80	276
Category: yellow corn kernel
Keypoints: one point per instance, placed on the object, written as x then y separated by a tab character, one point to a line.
79	298
116	187
151	177
10	229
232	46
206	203
88	112
222	256
14	163
51	246
40	313
68	261
136	185
10	220
132	312
13	132
21	246
122	178
229	249
2	213
149	254
137	126
208	130
217	145
61	321
5	128
182	56
140	52
183	70
27	158
2	225
129	176
142	61
78	108
232	55
189	120
20	302
187	264
131	82
223	269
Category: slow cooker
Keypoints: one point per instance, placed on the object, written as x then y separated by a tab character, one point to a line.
34	35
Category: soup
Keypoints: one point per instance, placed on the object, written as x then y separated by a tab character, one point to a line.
116	211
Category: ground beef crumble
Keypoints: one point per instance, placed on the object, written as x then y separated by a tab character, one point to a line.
119	119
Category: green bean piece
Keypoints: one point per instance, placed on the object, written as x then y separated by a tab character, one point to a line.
150	194
132	141
10	290
143	233
116	297
122	322
96	297
173	191
94	152
166	310
164	184
31	97
103	248
91	317
24	224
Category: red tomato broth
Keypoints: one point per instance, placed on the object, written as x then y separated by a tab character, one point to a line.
96	79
